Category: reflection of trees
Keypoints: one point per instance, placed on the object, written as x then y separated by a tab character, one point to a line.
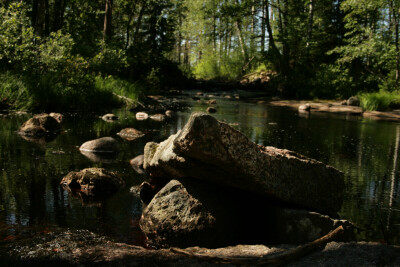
393	177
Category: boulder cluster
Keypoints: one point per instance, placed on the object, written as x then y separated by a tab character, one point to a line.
209	185
220	188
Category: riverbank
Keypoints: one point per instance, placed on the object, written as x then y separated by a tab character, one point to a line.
81	247
338	108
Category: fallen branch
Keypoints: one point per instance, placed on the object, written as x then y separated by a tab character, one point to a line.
279	258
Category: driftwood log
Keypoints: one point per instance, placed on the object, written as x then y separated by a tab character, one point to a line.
278	258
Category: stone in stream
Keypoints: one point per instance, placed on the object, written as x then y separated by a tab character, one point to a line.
101	145
130	134
212	151
211	110
353	101
170	113
193	213
109	117
58	116
305	107
40	125
141	116
158	117
93	182
137	164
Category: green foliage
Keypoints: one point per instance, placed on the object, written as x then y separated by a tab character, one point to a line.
331	81
17	37
110	84
225	68
381	100
109	60
13	90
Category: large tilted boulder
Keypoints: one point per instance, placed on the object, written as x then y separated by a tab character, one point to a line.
94	182
40	125
209	150
101	145
193	213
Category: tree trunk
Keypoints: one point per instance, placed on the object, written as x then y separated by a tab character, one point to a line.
58	15
46	18
107	31
395	17
128	30
139	22
38	16
264	15
310	27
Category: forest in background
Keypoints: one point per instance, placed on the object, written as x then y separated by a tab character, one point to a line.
74	53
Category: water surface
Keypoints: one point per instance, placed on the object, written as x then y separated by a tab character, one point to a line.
31	198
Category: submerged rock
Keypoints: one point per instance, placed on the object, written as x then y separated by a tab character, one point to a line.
209	150
93	182
40	125
101	145
110	117
130	134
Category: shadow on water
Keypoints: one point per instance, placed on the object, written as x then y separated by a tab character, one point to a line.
30	173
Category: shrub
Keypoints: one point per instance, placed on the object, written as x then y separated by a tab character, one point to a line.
381	100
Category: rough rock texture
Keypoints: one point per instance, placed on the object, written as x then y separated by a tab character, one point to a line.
40	125
174	217
101	145
110	117
93	181
209	150
130	134
83	248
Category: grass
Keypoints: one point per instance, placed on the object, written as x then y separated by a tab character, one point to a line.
380	101
132	90
45	94
13	91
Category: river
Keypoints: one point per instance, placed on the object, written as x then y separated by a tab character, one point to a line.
32	201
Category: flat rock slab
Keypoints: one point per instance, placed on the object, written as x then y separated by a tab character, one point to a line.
101	145
209	150
83	248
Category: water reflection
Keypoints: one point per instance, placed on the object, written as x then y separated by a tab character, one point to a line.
30	194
